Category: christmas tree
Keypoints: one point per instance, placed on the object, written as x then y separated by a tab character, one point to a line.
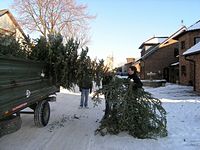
131	109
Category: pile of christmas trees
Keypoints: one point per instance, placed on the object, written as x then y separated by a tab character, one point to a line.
132	110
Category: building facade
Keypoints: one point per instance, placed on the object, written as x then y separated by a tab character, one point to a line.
193	55
187	39
10	27
158	62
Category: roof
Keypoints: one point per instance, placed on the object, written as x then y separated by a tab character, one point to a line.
153	41
153	49
2	12
194	27
6	11
136	62
150	51
193	50
175	64
178	32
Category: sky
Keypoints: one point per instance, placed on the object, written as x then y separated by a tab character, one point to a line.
121	26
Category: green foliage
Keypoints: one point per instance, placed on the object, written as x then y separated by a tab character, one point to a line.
60	59
65	64
99	72
132	110
72	64
9	46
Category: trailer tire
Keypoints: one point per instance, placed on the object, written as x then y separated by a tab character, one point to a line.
42	113
10	125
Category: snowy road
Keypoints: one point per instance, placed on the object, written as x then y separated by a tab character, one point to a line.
71	128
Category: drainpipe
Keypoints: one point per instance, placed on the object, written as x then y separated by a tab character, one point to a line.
143	69
194	78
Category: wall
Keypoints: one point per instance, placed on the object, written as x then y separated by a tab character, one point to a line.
187	78
159	60
6	23
197	83
196	58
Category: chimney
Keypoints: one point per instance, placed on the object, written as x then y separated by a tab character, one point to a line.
129	60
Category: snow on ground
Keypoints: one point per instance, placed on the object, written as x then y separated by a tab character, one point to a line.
71	128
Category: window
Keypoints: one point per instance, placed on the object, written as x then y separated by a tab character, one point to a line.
176	52
196	40
183	70
182	44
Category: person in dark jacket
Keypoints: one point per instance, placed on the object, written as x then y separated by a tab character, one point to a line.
106	81
85	87
132	74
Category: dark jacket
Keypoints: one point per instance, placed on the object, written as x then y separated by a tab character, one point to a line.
86	83
136	80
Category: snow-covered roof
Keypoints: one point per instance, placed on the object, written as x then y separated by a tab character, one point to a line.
174	64
151	50
153	41
156	40
194	26
182	29
193	50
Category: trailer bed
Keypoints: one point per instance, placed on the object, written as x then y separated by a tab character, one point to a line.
22	83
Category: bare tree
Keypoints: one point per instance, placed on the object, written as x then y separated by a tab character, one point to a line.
54	16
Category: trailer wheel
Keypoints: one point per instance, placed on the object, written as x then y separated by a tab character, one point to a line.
42	114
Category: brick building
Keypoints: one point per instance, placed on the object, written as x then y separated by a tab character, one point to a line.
130	62
160	59
187	39
193	55
146	47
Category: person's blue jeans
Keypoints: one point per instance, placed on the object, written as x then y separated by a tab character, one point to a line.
84	97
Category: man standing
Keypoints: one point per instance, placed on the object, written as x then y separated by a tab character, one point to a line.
85	87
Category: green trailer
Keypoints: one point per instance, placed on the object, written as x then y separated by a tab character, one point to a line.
23	84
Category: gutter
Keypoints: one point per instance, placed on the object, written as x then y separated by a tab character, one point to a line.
143	68
194	64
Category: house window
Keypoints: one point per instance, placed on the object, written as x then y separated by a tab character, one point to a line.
182	44
196	40
176	52
183	70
